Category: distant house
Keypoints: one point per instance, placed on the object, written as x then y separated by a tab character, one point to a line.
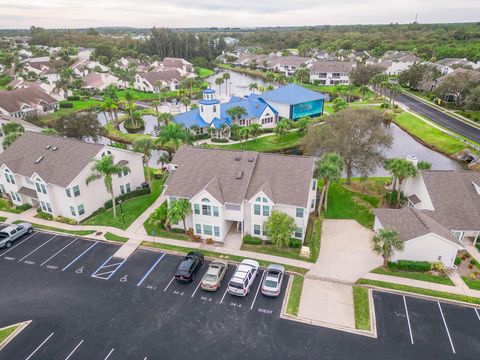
50	172
394	62
155	80
288	65
443	204
24	102
83	67
181	65
448	65
50	89
213	114
331	72
100	81
234	192
472	75
294	101
42	67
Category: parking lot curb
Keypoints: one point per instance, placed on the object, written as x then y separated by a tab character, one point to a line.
421	296
371	334
17	331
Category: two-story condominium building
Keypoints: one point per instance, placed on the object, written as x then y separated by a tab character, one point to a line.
236	191
331	72
153	81
50	172
24	102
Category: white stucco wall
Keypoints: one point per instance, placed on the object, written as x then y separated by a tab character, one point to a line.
417	186
283	109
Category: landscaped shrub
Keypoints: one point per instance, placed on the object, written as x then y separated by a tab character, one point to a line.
216	140
44	215
478	246
158	173
458	260
65	105
24	207
202	136
252	240
295	243
65	220
438	266
407	265
129	195
73	98
390	198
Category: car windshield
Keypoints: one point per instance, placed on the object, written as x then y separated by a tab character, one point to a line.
3	234
270	283
210	277
236	285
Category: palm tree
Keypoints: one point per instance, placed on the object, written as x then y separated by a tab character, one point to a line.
155	104
270	77
329	168
255	130
270	87
236	112
129	103
163	93
174	134
105	168
302	124
385	243
107	106
164	118
282	127
395	89
189	83
363	90
178	210
252	87
244	133
302	74
226	77
400	169
145	145
185	102
219	82
261	89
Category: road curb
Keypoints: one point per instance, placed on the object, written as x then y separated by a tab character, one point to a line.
17	331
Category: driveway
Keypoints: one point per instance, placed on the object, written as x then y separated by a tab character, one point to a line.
345	256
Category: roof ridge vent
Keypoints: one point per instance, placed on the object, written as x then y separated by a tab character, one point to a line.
40	158
238	158
48	147
239	175
251	159
55	148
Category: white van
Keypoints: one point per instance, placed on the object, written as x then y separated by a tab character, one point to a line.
243	278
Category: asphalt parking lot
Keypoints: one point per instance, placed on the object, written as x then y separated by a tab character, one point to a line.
87	305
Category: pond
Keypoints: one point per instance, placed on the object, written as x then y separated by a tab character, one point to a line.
237	84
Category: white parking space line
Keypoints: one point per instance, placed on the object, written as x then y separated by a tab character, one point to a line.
75	349
408	319
110	353
19	243
39	346
196	289
478	314
166	287
150	270
79	256
225	293
258	289
31	252
446	327
58	252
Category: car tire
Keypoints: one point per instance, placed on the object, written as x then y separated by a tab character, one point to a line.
8	244
30	230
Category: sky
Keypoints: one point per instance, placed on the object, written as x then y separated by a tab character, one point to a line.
229	13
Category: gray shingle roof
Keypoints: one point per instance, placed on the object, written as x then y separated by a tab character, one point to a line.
411	223
455	201
332	66
58	167
12	100
286	179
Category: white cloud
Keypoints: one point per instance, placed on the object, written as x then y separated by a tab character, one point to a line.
207	13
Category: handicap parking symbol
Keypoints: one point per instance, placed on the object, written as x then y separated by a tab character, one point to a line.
79	270
123	279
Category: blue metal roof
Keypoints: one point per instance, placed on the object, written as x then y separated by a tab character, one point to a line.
253	107
291	94
218	123
190	118
209	91
209	102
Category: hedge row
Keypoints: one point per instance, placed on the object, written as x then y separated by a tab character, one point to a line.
253	240
406	265
129	195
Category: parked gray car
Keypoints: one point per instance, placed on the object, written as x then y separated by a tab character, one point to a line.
13	232
272	281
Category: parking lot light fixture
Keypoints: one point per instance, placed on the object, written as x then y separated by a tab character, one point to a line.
121	210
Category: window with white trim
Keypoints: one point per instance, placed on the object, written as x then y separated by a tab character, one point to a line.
216	231
76	190
72	211
122	189
81	209
298	232
196	209
299	213
215	211
198	228
207	229
312	205
257	229
15	196
256	209
127	187
67	191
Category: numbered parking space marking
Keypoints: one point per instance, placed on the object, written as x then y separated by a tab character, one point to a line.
19	243
258	289
58	252
39	247
107	269
150	270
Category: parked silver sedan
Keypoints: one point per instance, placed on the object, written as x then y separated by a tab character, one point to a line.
13	232
272	281
212	280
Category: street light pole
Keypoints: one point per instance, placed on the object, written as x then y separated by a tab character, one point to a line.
121	209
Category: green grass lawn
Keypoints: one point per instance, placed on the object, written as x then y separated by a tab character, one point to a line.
270	143
204	73
162	232
362	308
112	237
313	238
295	295
2	218
212	254
78	105
291	253
444	280
132	208
6	205
429	134
347	204
421	291
52	228
472	284
4	333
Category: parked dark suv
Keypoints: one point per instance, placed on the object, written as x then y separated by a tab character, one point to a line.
189	267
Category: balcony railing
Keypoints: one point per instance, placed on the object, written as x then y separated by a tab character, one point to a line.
233	207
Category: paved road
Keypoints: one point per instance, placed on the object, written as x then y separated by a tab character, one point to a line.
439	117
85	305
